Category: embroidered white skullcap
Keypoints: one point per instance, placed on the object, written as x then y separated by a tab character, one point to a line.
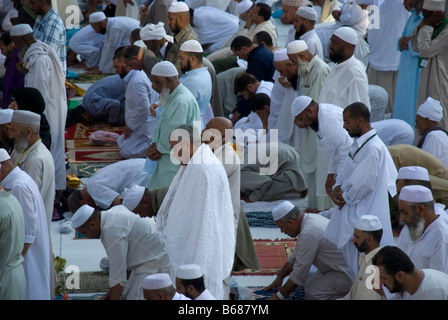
431	109
189	271
347	34
191	46
133	196
368	223
307	13
6	115
434	5
413	173
416	194
164	69
154	32
177	6
281	55
282	210
97	17
157	281
13	14
4	155
81	216
295	3
299	104
296	46
20	30
243	6
26	117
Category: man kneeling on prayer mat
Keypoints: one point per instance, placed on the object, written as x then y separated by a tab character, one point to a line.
133	246
331	280
160	287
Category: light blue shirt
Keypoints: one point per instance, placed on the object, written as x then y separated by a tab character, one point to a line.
199	82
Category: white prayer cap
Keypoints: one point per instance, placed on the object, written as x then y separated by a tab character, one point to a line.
164	69
353	15
431	109
434	5
157	281
21	30
413	173
178	7
189	271
81	216
13	14
243	6
191	46
6	115
282	210
347	34
153	31
368	223
295	3
307	13
416	194
26	117
97	17
4	155
281	55
296	46
299	104
133	196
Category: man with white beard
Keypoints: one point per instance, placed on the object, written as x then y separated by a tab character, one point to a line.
424	237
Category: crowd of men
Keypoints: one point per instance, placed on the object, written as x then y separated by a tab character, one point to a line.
201	88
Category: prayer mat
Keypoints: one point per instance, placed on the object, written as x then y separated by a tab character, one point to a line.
80	149
272	255
258	293
86	169
261	219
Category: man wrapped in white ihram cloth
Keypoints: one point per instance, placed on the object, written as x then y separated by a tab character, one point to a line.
199	229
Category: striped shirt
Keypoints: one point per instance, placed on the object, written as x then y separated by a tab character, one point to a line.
51	30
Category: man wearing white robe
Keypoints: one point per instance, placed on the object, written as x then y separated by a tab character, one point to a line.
209	239
139	96
363	186
88	44
384	58
36	249
117	31
133	246
304	25
347	81
45	73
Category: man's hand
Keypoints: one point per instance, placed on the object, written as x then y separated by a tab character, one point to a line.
21	68
329	183
125	3
403	43
152	109
126	132
152	153
284	82
236	117
337	198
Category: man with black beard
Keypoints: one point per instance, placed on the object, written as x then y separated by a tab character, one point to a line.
304	22
366	238
347	82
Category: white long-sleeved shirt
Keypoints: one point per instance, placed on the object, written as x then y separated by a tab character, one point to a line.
436	143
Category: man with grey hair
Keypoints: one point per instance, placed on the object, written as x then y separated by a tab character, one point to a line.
331	280
176	106
424	237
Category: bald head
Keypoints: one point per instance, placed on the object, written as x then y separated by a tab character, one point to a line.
220	125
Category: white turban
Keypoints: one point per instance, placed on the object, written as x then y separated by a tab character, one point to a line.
296	46
164	69
178	7
282	210
4	155
368	223
154	32
307	13
97	17
299	104
20	30
413	173
191	46
415	194
353	15
347	34
13	14
189	272
243	6
26	117
281	55
6	115
295	3
81	215
157	281
133	196
431	109
434	5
